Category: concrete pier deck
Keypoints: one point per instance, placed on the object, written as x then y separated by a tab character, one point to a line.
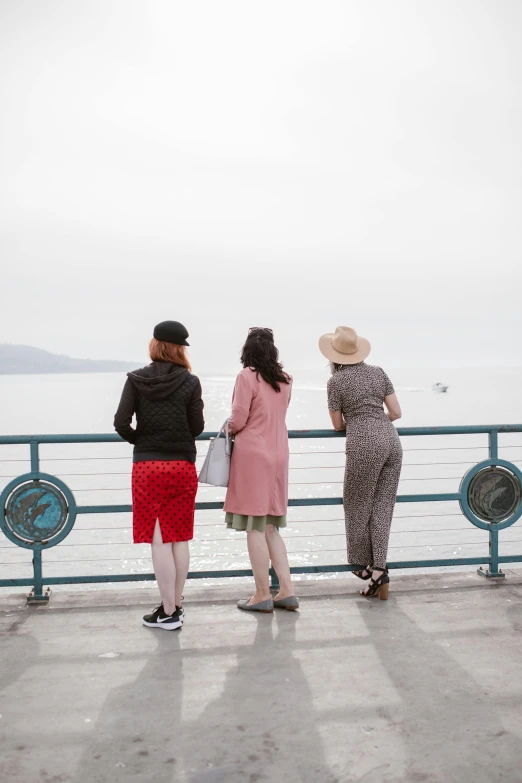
425	687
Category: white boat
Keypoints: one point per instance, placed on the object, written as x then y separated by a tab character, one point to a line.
439	387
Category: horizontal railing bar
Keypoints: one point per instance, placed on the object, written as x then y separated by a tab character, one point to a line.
80	580
398	564
296	502
460	429
292	503
103	509
470	429
443	497
315	569
246	572
510	559
466	429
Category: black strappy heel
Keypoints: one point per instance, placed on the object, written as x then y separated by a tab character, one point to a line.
359	574
378	587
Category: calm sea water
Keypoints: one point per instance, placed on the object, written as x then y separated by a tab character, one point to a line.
99	473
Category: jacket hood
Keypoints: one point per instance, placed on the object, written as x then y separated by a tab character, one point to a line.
158	380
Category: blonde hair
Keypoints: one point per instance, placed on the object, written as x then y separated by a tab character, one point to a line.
161	351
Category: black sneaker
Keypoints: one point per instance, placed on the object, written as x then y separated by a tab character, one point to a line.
178	608
159	619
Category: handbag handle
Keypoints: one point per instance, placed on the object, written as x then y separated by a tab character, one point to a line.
228	442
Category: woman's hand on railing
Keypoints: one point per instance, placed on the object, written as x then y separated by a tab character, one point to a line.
393	408
338	421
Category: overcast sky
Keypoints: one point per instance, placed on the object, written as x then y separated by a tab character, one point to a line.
289	164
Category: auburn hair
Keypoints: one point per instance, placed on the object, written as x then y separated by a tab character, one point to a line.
160	351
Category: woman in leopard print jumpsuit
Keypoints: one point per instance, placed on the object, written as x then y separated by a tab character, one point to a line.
357	394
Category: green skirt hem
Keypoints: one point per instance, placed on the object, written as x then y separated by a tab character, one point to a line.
248	523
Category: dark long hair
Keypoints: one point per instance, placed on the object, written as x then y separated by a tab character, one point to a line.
260	354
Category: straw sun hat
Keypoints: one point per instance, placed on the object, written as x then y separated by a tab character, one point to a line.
344	346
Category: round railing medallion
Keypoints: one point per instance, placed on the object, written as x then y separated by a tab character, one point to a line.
494	494
36	511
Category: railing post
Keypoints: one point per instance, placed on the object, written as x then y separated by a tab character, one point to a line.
493	553
35	457
37	596
493	444
274	581
493	572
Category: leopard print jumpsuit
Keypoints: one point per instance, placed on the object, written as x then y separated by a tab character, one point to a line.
373	460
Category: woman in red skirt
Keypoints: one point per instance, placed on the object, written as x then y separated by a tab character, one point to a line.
166	399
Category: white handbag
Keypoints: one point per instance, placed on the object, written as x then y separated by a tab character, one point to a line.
216	467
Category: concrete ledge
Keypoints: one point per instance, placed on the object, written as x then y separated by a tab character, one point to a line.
113	595
425	687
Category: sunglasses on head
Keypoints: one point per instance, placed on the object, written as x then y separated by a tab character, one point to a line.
260	329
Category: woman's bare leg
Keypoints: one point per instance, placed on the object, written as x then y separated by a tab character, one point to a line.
260	561
181	552
165	570
279	558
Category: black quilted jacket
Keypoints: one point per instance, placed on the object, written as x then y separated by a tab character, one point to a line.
167	402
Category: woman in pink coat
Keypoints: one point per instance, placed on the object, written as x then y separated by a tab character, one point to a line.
257	495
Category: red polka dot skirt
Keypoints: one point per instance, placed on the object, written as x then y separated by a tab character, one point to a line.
163	490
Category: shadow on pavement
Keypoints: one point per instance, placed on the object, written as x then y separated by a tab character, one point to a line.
449	726
240	736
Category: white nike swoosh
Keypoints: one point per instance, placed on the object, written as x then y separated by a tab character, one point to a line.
165	619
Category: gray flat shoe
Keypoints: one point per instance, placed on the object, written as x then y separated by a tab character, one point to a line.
262	606
291	603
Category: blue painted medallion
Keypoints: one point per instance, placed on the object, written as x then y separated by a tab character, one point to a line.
36	511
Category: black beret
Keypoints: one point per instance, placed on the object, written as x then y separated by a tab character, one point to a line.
171	332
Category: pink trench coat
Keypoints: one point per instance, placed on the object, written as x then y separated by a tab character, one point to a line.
259	468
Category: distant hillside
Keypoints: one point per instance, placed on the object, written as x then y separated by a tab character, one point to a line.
26	360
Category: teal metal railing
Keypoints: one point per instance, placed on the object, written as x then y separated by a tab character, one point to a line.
38	510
